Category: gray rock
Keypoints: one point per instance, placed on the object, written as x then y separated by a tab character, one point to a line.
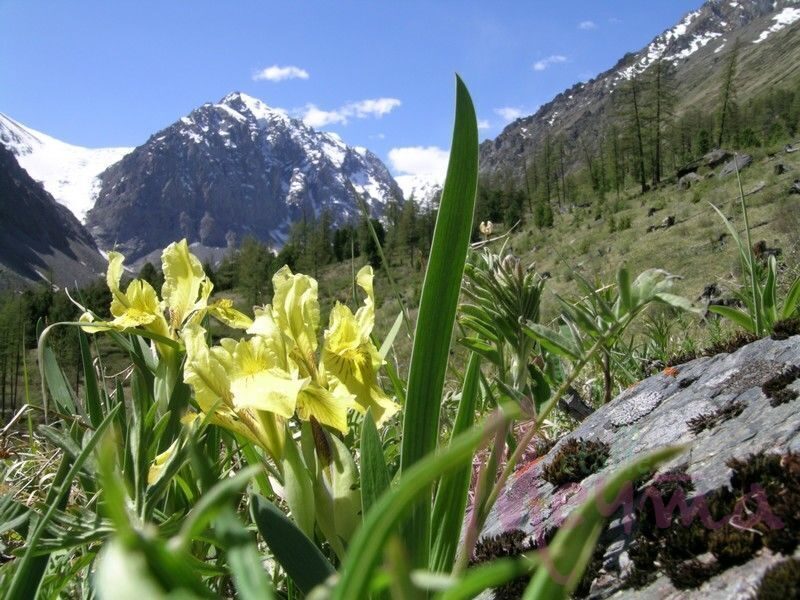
742	161
653	414
795	189
716	157
685	182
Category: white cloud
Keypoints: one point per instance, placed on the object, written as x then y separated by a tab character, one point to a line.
313	116
276	73
424	161
541	65
509	113
483	124
372	108
586	25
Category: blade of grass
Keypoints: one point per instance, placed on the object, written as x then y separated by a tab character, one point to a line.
25	582
366	548
374	474
450	504
437	310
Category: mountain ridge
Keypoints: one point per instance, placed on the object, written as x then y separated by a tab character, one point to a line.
236	157
41	239
694	47
68	172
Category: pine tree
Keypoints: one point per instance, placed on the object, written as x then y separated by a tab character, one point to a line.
727	91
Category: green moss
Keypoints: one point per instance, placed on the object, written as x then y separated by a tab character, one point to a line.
776	388
781	582
712	419
575	461
509	543
758	509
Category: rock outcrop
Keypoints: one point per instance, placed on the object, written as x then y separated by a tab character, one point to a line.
722	409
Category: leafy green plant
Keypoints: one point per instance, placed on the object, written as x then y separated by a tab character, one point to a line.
592	327
759	293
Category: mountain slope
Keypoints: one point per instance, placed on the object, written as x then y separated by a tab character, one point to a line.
69	173
39	238
232	169
697	47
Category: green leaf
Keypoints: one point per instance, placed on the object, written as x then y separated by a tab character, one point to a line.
53	378
489	575
677	301
366	549
567	556
768	298
390	337
624	285
299	487
450	504
552	341
742	319
478	346
210	503
437	311
792	300
248	573
91	391
374	474
296	553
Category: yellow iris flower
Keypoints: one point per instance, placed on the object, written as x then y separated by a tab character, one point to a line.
184	297
253	385
349	355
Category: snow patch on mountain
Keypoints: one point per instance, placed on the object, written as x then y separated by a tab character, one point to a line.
69	173
424	189
782	20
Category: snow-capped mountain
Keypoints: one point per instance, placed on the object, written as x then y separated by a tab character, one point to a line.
40	240
231	169
69	173
696	47
424	189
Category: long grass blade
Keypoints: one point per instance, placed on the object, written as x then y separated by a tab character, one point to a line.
25	583
374	474
450	505
437	311
366	548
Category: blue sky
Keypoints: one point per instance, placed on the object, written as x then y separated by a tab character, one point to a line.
380	73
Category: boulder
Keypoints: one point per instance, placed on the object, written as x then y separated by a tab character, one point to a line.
685	182
795	189
741	162
721	409
779	169
716	157
689	168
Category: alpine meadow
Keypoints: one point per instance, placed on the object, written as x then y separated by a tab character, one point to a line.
340	345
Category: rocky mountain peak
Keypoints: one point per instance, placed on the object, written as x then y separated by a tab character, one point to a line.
231	169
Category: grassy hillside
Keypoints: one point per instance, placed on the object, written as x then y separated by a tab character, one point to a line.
696	247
